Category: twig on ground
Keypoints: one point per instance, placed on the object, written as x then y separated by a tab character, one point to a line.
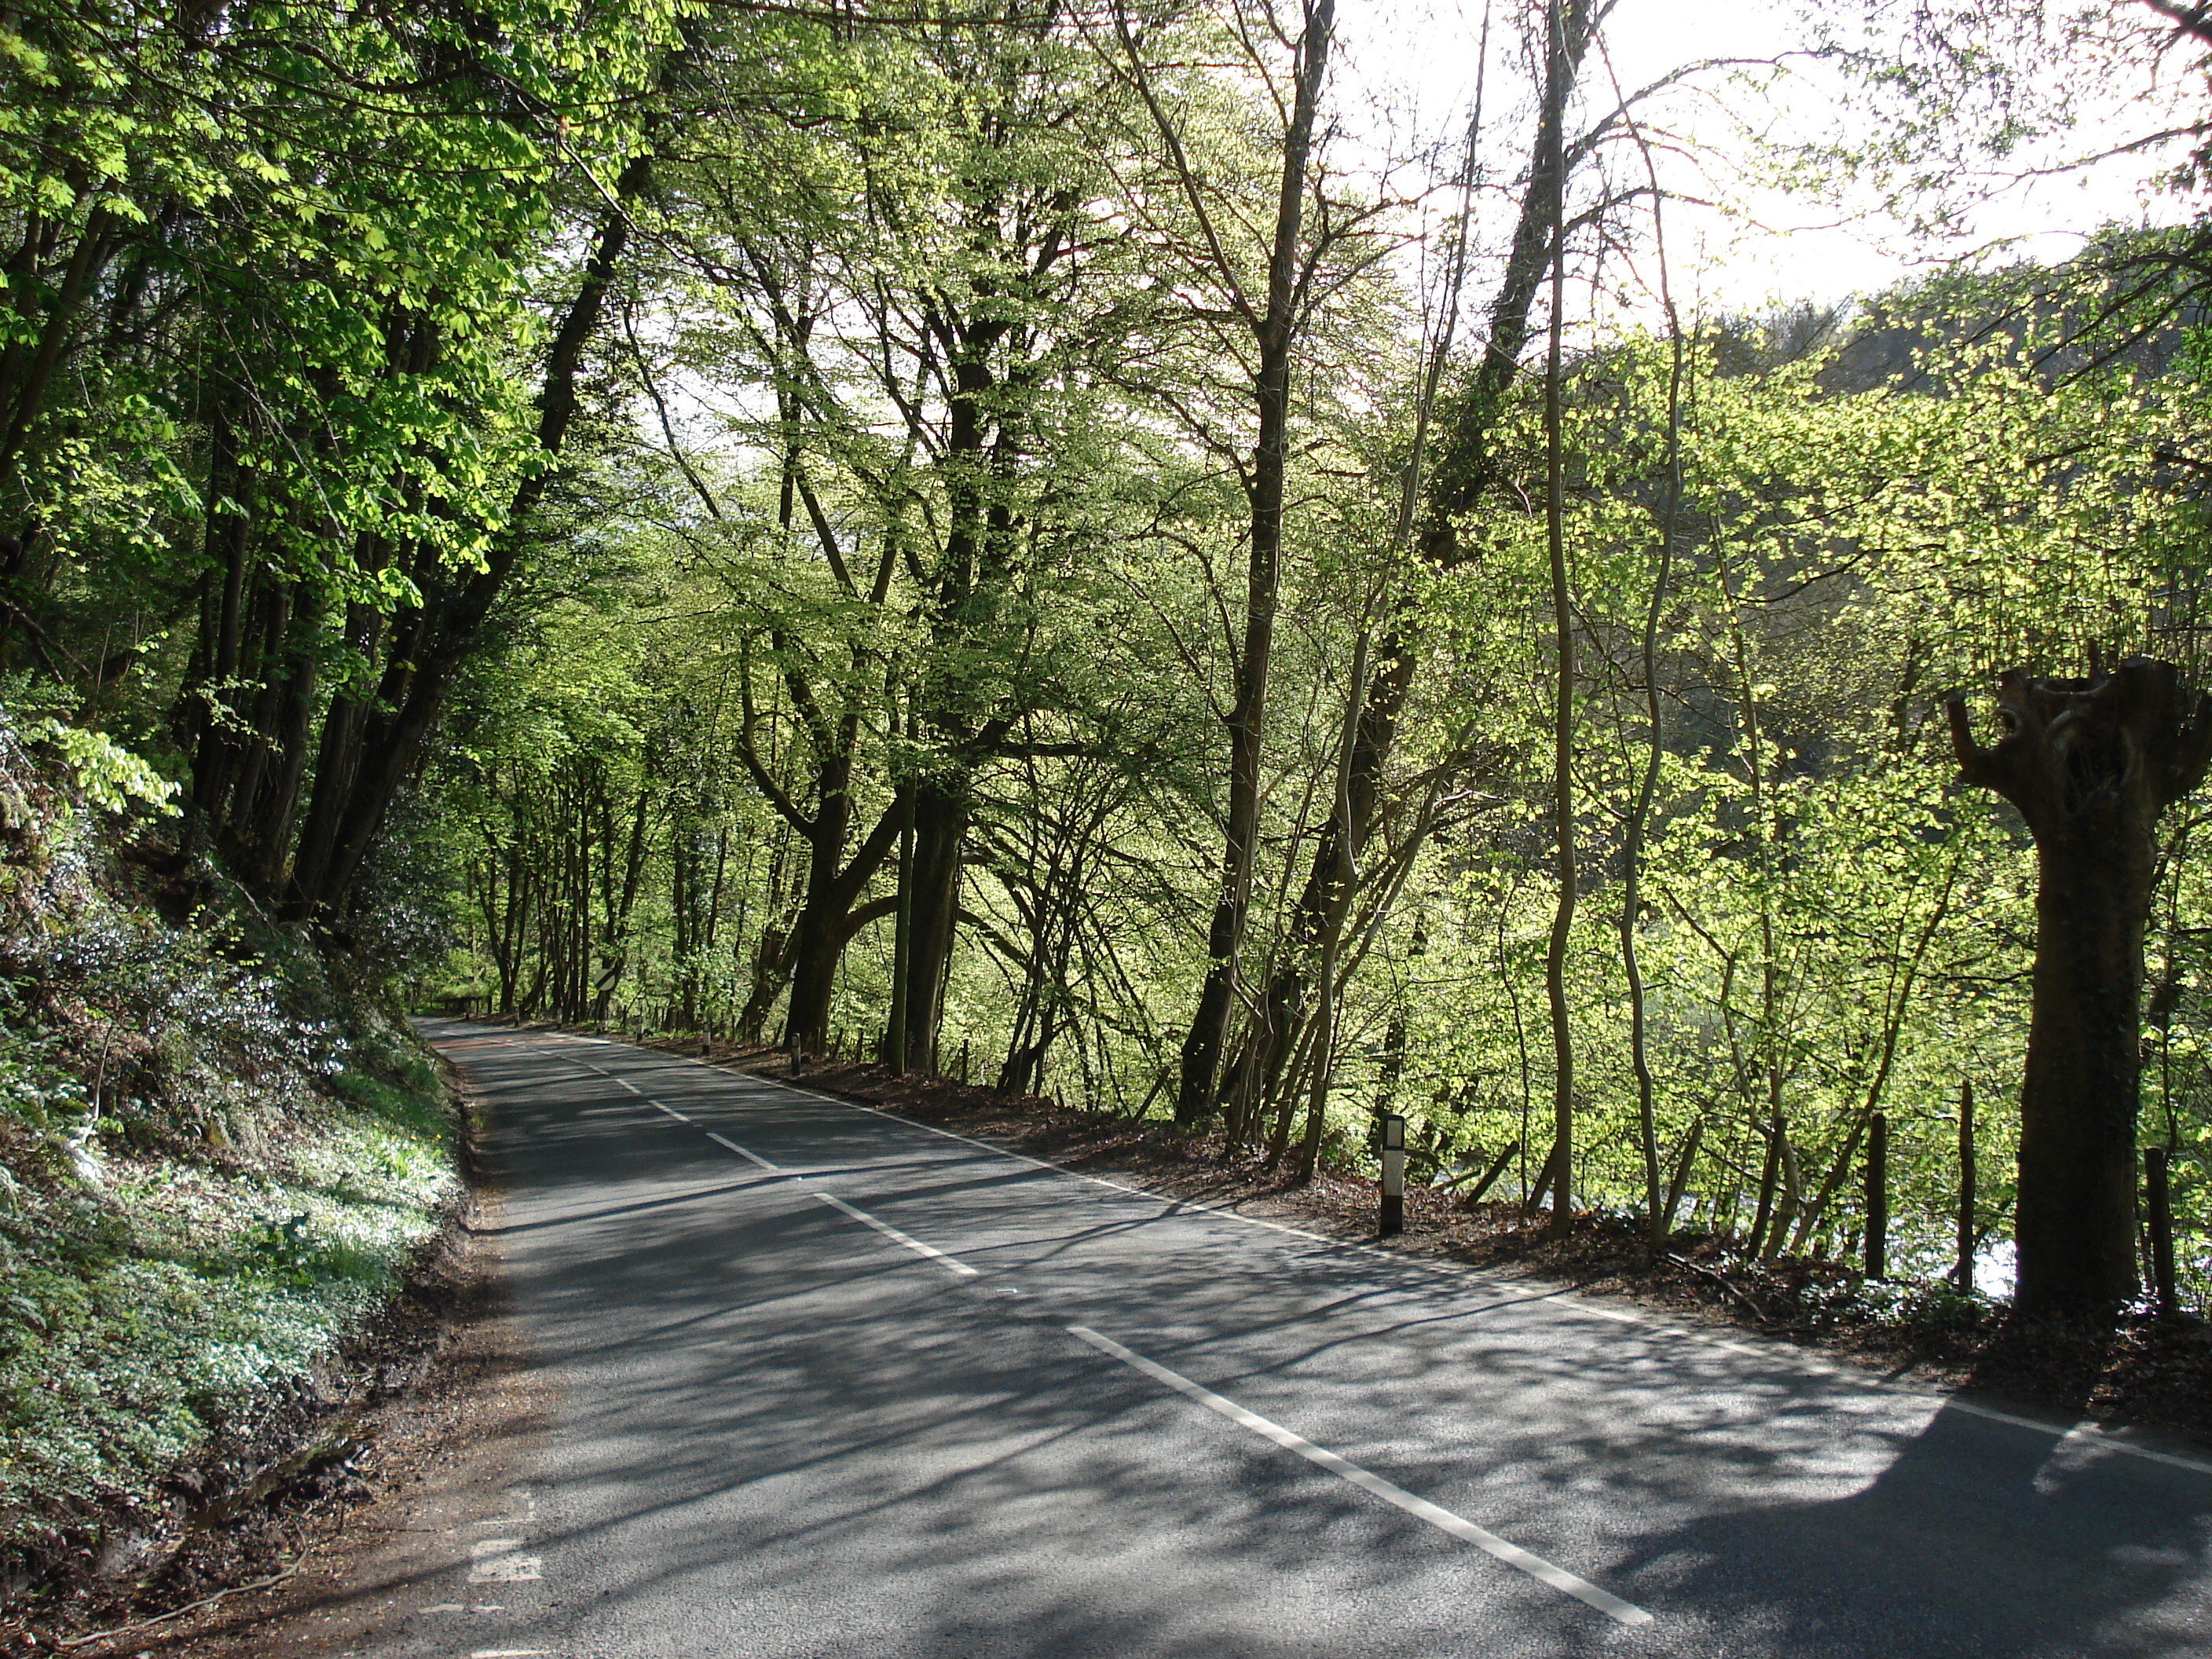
1720	1279
303	1553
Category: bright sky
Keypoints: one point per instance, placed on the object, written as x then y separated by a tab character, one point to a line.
1774	246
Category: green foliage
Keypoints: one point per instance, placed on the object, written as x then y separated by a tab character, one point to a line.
667	513
111	776
1828	928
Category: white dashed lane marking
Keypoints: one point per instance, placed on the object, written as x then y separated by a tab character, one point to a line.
494	1562
1436	1514
950	1263
2114	1440
753	1157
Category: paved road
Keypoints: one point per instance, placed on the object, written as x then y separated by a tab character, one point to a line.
833	1384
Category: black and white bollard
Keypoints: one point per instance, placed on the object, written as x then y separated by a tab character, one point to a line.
1394	1175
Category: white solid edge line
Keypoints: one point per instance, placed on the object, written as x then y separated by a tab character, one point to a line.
951	1263
756	1157
1567	1301
1436	1514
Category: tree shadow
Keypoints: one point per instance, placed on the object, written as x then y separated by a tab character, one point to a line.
784	1438
1979	1538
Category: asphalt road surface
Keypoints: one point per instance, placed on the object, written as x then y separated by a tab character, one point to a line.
833	1384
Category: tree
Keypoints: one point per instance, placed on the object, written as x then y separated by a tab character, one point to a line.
1464	475
1271	314
2091	764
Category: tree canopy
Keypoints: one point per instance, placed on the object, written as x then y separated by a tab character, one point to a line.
1041	542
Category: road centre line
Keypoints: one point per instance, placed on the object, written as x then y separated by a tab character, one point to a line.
950	1263
1625	1613
732	1145
2113	1440
1566	1300
586	1066
670	1111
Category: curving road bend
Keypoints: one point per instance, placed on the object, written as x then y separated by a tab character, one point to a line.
831	1382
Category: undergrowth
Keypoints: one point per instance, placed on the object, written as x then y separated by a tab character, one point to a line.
217	1153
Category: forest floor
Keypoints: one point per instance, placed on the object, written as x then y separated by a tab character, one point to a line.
2157	1373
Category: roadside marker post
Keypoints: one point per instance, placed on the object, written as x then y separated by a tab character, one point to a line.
1393	1175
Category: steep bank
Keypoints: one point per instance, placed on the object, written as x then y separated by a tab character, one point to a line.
219	1147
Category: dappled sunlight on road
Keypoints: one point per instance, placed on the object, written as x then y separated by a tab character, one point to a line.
784	1433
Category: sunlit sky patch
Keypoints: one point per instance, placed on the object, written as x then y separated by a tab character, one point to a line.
1408	67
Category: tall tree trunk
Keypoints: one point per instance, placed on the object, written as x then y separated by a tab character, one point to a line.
2091	763
939	833
1346	873
816	942
1461	474
343	828
897	1053
1274	331
1659	1201
1563	712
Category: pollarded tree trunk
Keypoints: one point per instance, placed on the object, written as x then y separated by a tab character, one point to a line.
2090	764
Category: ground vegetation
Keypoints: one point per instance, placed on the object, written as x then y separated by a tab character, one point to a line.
221	1154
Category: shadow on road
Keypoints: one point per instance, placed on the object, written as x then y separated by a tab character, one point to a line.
784	1437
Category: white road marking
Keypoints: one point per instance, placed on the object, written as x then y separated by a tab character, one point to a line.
526	1516
1436	1514
1779	1353
892	1233
508	1569
2111	1439
496	1563
670	1111
1607	1313
732	1145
